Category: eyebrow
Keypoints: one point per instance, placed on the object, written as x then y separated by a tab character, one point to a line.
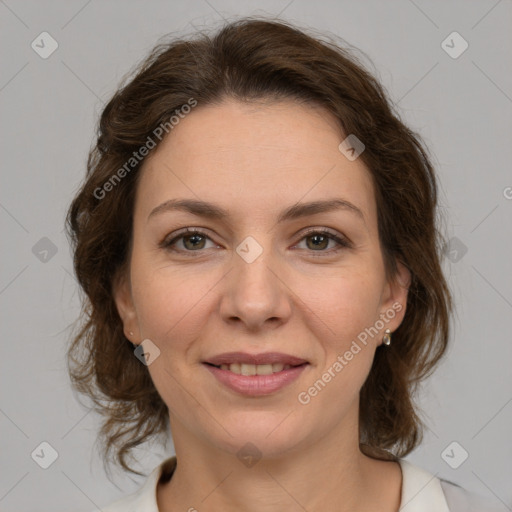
299	210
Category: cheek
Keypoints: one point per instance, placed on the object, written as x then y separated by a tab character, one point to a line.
171	304
341	307
171	310
348	308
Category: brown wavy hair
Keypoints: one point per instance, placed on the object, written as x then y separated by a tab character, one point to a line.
256	59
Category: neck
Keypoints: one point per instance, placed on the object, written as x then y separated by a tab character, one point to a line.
329	475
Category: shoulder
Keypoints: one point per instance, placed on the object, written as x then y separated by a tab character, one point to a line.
422	491
460	499
144	499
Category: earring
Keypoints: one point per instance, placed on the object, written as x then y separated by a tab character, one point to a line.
131	333
386	339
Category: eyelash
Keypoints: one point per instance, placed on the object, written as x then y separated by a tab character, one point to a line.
343	242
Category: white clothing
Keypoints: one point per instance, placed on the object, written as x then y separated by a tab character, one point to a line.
421	492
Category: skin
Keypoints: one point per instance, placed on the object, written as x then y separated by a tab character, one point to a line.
255	160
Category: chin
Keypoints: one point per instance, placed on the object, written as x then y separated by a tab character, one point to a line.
265	433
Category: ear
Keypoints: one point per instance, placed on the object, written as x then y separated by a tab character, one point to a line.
122	292
394	299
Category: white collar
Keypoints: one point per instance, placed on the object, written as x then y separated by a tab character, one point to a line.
421	492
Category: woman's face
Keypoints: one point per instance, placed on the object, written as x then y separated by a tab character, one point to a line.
255	283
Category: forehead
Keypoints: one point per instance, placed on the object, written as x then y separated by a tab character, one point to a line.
254	156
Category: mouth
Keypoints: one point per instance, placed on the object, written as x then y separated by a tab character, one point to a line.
255	374
243	363
255	369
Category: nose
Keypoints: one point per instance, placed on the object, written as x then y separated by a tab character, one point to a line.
255	293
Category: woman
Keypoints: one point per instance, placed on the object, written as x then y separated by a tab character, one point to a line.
257	241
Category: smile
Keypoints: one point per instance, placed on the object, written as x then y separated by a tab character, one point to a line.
255	369
255	380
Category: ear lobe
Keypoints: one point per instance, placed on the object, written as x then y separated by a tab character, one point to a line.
122	294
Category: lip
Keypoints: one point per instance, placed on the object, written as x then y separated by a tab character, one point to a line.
256	385
262	358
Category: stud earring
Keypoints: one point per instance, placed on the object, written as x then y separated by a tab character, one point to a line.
131	333
386	339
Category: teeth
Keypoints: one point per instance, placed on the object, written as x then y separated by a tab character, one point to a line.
255	369
264	369
248	369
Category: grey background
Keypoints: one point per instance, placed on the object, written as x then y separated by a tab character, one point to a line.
461	106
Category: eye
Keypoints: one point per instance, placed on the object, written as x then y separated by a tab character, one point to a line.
192	240
320	238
